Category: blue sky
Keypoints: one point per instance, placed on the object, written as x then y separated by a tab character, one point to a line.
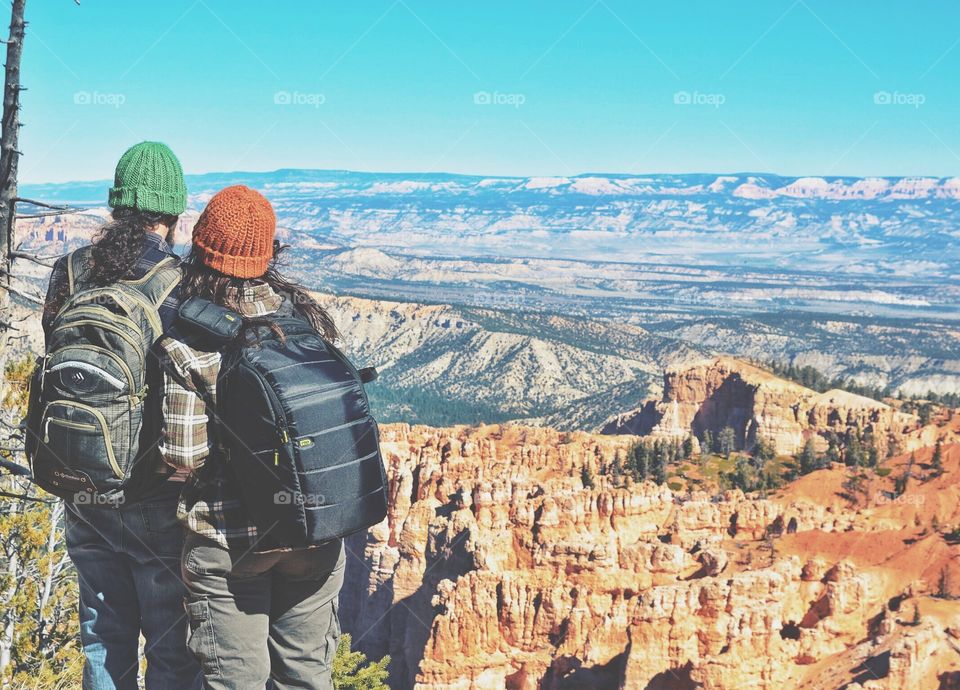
499	87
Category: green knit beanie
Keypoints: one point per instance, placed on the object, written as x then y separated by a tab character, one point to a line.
149	178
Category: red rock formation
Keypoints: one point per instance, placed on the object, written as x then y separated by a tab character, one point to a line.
497	568
725	392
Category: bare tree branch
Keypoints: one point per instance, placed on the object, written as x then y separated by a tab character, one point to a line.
36	299
22	200
47	261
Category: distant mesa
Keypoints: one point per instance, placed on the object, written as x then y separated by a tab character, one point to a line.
364	261
710	395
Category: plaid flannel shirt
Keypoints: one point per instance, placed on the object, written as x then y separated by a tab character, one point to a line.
210	504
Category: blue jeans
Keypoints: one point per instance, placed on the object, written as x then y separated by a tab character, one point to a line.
128	566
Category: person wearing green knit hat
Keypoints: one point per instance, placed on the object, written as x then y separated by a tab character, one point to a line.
127	555
149	178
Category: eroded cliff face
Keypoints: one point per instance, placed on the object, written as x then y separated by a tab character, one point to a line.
498	568
725	392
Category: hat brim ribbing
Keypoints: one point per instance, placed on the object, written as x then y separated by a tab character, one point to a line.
147	200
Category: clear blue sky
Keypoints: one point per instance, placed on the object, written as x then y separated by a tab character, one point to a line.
786	86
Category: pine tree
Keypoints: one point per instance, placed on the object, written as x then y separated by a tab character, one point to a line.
833	448
659	465
707	444
764	451
352	671
743	476
809	461
916	614
873	454
901	482
853	485
38	586
616	468
944	585
586	476
688	447
630	465
855	456
727	441
642	464
937	459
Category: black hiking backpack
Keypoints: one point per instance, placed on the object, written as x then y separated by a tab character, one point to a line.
293	421
91	435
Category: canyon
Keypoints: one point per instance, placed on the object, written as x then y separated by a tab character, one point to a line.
498	566
530	331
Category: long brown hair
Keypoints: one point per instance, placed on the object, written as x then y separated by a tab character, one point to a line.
118	245
199	280
115	251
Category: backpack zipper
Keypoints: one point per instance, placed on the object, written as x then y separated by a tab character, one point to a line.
106	327
283	434
116	358
82	426
113	316
104	428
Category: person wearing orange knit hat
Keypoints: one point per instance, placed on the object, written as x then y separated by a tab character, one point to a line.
234	235
272	613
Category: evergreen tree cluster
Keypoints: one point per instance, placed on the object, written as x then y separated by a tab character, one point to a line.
820	382
649	458
946	399
722	443
923	405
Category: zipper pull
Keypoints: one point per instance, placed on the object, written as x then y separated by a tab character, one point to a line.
276	458
46	431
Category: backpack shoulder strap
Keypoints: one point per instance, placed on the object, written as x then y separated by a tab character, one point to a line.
78	263
157	283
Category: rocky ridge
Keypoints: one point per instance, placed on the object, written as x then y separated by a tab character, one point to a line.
720	392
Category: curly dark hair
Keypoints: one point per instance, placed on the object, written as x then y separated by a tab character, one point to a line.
119	244
199	280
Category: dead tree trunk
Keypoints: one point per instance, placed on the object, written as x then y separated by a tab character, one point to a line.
9	158
9	138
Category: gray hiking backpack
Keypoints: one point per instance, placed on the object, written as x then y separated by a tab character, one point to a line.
91	434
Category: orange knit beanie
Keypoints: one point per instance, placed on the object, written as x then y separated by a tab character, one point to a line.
234	234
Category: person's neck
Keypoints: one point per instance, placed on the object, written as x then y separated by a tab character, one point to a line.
163	232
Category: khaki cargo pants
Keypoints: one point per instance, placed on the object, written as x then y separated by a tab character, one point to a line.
260	616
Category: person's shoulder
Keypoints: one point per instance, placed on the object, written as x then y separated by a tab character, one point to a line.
60	265
186	354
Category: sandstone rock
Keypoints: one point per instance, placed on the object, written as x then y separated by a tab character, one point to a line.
725	392
713	560
497	568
